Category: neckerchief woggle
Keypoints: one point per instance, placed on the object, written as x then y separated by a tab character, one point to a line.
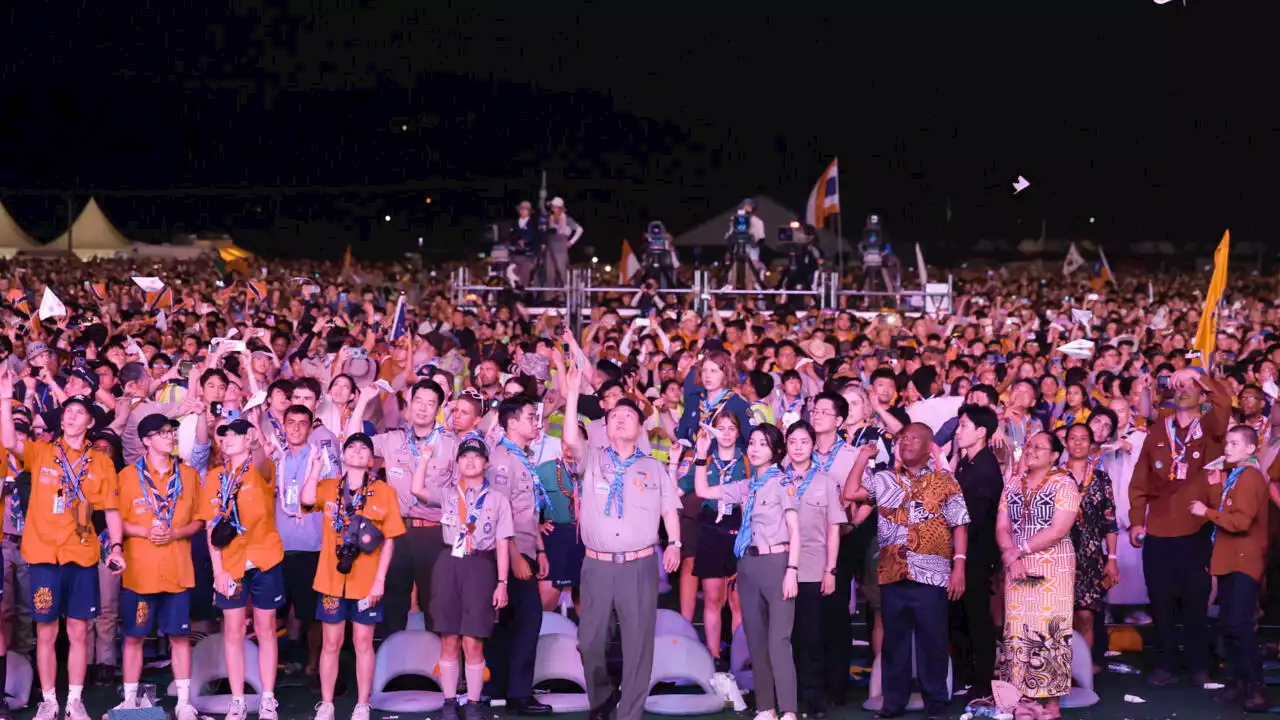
162	506
620	468
540	499
743	541
808	477
464	540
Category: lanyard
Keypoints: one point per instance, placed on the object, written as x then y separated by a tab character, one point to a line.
724	471
72	474
348	506
1178	448
1226	488
277	430
563	468
470	511
540	499
162	506
620	468
229	495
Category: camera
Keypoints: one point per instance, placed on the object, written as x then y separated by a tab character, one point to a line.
657	237
347	554
872	247
742	224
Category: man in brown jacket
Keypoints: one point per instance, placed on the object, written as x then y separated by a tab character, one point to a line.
1176	545
1238	508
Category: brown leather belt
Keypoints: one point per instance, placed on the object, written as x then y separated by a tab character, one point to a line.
621	557
420	523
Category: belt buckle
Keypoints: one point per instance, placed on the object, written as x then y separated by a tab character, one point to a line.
617	557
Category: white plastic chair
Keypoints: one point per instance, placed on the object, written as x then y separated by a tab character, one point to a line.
740	661
408	652
683	660
1082	694
416	621
876	689
560	660
17	683
553	623
209	664
670	622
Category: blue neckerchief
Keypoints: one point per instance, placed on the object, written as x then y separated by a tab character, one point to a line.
161	506
412	441
808	477
72	475
1226	488
825	463
620	468
756	482
229	495
540	499
707	409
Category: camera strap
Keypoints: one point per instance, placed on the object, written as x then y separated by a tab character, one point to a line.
229	495
348	505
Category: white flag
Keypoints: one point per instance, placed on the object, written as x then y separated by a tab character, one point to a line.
162	322
1074	260
51	306
924	273
149	284
1084	317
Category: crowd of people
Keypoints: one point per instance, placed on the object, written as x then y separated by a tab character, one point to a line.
315	446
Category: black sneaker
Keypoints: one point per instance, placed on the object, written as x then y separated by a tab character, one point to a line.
450	709
472	711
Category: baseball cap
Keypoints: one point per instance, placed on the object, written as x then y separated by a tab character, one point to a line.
88	376
361	438
239	426
473	445
153	424
557	202
35	349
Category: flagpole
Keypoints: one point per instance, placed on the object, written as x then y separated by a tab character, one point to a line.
840	240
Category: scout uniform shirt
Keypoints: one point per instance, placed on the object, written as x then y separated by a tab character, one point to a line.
475	519
401	457
151	568
376	501
838	461
58	528
818	498
14	517
259	545
647	492
768	515
513	475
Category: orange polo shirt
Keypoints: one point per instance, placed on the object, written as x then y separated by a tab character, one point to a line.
50	538
383	508
259	544
151	568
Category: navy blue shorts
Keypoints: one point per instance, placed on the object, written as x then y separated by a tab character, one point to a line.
170	613
330	609
564	555
264	587
59	591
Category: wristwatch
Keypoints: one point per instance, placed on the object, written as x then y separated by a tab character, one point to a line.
675	544
502	582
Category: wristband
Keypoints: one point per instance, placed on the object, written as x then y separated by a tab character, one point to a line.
502	581
700	462
960	556
114	546
541	552
793	567
1112	556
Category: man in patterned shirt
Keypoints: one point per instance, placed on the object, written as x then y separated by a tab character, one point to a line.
922	538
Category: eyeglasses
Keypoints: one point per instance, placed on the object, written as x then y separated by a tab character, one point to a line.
822	413
165	433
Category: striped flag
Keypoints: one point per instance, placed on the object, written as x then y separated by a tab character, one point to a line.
1207	333
629	265
162	300
257	290
99	290
1102	272
824	199
400	326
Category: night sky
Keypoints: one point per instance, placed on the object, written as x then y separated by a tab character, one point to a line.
297	126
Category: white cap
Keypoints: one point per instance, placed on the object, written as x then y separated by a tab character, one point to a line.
557	202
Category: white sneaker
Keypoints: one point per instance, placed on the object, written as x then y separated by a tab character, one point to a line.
268	709
237	710
361	712
75	710
48	710
324	711
186	712
1138	618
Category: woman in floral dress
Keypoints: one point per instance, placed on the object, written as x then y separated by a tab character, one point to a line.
1094	533
1037	510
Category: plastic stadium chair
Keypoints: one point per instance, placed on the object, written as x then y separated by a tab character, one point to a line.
915	702
1082	694
670	622
740	661
209	665
17	683
408	652
682	660
553	623
559	660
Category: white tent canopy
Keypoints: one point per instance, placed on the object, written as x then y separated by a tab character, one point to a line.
92	235
13	239
711	232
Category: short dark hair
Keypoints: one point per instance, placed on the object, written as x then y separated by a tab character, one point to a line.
984	418
610	369
299	410
308	383
761	382
512	407
1105	412
208	375
884	372
1055	443
838	403
1251	435
773	436
801	426
424	384
283	385
992	396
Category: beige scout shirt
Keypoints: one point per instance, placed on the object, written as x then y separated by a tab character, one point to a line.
598	435
507	474
768	515
819	508
400	459
493	517
647	492
839	463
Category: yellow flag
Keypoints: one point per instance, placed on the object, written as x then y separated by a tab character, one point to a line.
346	259
1207	333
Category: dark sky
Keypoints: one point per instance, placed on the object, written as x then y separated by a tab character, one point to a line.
281	121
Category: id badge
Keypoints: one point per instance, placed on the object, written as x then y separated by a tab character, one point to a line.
364	604
1017	453
790	418
458	550
59	505
291	497
1181	470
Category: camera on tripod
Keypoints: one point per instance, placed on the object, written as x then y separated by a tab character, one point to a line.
657	237
872	246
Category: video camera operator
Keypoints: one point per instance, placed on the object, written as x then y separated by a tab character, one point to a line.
526	242
745	236
659	256
804	259
877	258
